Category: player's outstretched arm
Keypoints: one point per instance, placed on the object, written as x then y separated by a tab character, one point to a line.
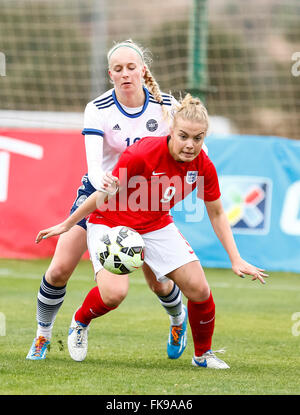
89	205
53	231
94	201
223	231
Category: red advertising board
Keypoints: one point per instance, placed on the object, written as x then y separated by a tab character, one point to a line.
40	172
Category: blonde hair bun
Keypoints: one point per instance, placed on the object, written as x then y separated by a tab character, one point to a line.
192	108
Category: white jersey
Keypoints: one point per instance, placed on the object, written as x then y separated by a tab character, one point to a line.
118	128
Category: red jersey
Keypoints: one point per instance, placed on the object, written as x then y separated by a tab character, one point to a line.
151	183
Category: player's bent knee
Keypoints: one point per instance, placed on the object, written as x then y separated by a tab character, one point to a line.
199	293
58	275
162	289
113	298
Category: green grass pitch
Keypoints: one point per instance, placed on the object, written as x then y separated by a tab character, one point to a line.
127	347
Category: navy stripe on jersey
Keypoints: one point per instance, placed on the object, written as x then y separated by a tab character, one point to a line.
92	131
102	100
107	101
165	97
100	107
156	102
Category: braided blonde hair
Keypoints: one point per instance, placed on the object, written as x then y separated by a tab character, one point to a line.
149	79
192	109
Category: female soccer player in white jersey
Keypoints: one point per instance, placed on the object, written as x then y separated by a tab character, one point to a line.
134	108
167	170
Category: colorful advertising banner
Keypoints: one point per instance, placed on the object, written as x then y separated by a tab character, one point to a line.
40	172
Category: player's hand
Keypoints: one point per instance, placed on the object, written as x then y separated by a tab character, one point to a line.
242	268
53	231
110	183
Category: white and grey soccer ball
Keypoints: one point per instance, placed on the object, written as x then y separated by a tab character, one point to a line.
121	250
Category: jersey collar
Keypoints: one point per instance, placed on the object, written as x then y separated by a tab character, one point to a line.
138	114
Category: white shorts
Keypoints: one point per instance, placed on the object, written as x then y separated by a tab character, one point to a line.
165	249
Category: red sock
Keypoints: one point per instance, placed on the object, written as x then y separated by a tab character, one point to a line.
92	307
202	322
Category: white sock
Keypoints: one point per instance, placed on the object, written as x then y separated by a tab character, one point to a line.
44	331
177	320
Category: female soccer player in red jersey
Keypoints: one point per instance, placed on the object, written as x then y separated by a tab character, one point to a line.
166	170
133	108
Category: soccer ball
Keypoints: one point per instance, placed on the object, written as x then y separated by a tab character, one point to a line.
121	250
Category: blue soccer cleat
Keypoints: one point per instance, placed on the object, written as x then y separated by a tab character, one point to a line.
38	349
177	338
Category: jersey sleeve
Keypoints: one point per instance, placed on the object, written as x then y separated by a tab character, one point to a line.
94	157
208	187
92	122
93	131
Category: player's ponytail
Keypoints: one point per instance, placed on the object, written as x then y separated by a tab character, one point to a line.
192	109
153	87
